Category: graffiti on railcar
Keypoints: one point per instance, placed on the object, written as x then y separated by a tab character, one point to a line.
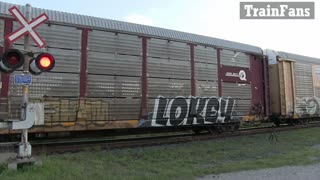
308	106
181	111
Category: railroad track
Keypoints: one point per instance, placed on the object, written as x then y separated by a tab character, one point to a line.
76	145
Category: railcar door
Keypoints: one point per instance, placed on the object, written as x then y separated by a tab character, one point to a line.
282	87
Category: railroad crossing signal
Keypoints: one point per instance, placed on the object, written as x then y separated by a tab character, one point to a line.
27	27
13	59
44	62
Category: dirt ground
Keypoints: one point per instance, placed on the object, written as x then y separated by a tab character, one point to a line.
309	172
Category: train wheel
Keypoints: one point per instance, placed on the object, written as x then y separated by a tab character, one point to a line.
222	128
197	131
276	121
305	121
235	127
212	129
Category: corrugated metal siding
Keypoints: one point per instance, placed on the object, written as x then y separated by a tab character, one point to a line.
113	64
113	86
242	94
1	32
66	60
205	63
3	108
206	71
234	58
204	54
123	109
0	83
242	107
298	57
303	80
235	90
317	91
168	87
56	36
48	84
1	44
114	72
55	110
109	42
65	110
60	110
316	80
158	48
169	70
168	49
206	88
166	68
12	108
106	24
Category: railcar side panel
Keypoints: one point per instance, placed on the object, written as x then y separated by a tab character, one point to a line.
294	88
187	84
306	99
316	79
234	84
274	89
303	79
114	75
258	81
206	71
2	31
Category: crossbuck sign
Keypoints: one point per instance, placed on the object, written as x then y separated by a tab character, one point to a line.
27	27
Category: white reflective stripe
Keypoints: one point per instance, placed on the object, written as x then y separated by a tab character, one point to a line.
18	15
40	20
36	38
28	27
17	34
23	22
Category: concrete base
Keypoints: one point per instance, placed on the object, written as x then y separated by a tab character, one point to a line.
5	157
24	150
15	163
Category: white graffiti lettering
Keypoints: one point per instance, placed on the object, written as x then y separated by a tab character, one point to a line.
307	106
191	111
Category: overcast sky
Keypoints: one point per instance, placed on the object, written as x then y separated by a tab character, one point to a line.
215	18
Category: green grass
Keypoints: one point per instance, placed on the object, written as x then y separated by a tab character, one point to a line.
181	161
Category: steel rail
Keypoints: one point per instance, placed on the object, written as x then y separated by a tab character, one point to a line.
77	145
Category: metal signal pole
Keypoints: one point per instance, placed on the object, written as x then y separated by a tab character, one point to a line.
25	147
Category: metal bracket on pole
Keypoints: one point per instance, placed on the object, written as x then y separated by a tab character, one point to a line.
28	121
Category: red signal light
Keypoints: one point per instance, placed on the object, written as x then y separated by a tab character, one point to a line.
44	62
11	60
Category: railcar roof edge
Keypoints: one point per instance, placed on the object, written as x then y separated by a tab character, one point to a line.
131	28
297	57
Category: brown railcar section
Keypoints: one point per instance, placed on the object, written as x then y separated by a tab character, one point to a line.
282	89
293	89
